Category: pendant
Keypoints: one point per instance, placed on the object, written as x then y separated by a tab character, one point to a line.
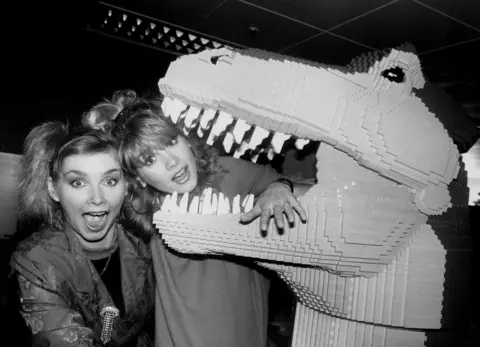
109	313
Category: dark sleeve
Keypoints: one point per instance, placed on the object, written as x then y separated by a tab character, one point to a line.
44	306
244	177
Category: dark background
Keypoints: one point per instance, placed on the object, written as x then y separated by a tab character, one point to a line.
54	69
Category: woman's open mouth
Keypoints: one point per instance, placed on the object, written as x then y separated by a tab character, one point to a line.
95	220
182	176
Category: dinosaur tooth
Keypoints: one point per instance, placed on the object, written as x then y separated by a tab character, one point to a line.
173	207
184	203
259	134
300	143
165	203
169	203
228	142
215	203
278	140
236	204
206	118
241	150
239	130
270	154
194	205
223	120
206	202
247	203
177	108
223	204
192	116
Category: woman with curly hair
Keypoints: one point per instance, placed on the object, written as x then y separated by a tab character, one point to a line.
200	300
84	279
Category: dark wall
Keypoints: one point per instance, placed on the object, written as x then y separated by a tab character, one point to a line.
57	70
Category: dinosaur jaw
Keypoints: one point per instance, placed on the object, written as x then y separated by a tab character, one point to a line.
233	135
348	231
370	196
256	98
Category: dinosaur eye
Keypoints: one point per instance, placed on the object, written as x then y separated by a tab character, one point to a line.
394	74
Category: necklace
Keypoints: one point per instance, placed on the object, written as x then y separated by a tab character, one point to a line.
106	265
97	255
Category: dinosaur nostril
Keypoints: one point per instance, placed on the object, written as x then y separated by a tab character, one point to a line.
214	60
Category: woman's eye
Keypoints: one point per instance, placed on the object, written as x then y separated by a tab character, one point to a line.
150	160
172	143
77	184
111	182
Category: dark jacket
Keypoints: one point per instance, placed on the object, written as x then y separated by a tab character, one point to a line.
62	294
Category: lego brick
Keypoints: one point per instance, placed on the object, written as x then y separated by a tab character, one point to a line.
366	267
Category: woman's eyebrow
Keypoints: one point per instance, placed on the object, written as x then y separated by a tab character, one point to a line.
82	173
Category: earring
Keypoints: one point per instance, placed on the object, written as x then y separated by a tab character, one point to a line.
142	183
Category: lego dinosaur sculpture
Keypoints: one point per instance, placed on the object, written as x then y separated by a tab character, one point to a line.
367	269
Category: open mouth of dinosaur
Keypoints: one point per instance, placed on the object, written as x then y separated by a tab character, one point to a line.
346	210
377	178
208	203
232	136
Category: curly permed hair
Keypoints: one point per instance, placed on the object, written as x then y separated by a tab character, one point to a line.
45	149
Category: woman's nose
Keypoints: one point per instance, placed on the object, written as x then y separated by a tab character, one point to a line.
97	197
172	161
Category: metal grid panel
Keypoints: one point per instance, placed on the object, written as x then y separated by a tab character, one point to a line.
140	29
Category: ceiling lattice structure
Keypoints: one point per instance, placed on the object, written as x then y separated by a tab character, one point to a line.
144	30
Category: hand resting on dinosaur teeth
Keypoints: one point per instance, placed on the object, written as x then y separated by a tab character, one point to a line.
209	203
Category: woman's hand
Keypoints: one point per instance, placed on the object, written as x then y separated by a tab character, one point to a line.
276	200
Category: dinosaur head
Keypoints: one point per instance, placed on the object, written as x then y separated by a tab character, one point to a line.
383	164
372	114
